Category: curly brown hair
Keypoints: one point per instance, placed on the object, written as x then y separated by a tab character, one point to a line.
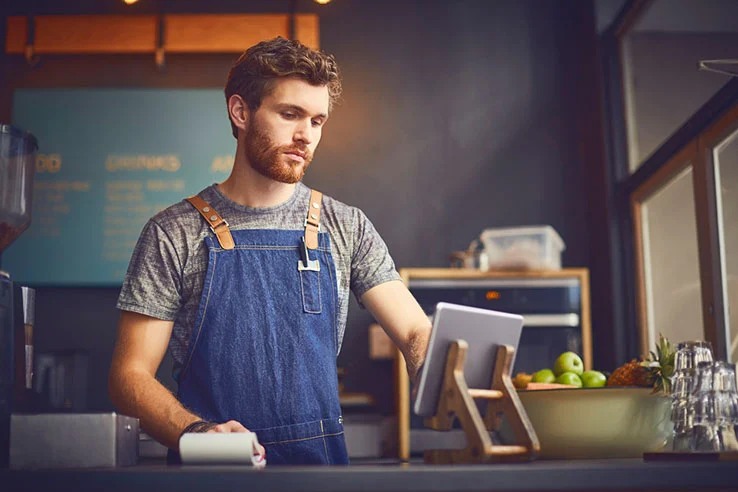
252	76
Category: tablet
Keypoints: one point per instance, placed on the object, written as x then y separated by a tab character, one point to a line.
484	330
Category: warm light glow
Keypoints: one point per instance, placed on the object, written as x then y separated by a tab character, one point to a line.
492	294
322	2
130	2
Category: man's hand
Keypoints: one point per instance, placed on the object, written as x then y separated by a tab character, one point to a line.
235	426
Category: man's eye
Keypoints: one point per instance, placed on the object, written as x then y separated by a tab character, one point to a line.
317	123
288	116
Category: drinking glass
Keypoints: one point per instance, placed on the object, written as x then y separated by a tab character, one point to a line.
681	384
713	401
689	354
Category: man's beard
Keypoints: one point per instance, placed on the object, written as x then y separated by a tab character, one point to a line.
269	160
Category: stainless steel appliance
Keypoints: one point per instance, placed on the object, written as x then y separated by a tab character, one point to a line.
17	166
73	440
551	309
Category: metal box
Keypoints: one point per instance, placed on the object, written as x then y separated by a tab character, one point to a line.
74	440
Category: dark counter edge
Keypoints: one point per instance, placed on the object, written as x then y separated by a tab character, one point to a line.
626	474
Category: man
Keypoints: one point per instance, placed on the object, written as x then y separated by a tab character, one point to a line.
248	283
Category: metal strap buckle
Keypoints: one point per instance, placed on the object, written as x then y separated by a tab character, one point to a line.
305	224
224	223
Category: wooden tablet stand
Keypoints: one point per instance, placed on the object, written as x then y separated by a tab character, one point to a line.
457	399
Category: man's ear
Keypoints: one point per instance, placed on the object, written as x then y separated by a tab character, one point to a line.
238	111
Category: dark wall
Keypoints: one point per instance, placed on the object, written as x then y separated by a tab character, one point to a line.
456	116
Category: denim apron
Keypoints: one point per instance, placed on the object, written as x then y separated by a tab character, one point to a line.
263	351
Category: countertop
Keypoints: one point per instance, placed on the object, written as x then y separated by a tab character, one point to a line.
391	476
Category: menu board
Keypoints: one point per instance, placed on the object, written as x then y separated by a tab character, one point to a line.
108	160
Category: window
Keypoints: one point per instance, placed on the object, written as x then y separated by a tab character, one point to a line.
660	54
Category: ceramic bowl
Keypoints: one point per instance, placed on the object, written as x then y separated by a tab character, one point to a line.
609	422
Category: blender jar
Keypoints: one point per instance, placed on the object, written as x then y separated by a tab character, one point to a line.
17	165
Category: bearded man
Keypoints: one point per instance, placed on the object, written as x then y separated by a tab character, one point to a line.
248	282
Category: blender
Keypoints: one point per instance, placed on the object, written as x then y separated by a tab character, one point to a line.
17	303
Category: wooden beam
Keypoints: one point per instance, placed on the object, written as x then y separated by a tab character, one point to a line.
87	34
183	33
16	35
203	33
307	30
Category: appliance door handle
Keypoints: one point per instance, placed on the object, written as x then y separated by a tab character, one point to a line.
551	320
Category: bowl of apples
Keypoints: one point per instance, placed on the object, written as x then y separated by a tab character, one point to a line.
581	414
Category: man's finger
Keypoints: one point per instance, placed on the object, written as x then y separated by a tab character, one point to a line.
235	426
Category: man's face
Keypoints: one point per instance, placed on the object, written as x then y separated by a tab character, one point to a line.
284	132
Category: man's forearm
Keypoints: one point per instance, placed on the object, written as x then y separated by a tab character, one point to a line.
138	394
397	311
415	351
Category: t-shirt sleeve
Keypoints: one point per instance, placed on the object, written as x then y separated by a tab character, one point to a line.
371	263
153	283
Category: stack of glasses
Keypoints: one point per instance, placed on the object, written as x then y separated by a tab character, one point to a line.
687	356
714	400
704	401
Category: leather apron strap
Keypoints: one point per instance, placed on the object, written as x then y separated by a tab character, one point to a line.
312	221
218	224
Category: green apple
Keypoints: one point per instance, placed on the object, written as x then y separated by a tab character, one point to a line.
544	376
569	378
568	362
593	379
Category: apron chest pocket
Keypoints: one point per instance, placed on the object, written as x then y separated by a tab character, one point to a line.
310	286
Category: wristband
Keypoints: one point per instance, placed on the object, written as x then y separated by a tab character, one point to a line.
198	426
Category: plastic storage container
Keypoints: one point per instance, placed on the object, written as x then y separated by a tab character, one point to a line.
528	248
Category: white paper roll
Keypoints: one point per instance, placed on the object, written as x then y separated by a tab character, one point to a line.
234	448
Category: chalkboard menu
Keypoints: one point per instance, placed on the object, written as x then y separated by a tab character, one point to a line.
108	160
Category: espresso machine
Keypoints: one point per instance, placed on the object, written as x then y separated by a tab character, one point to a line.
17	303
32	435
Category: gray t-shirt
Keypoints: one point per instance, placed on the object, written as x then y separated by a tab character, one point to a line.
168	266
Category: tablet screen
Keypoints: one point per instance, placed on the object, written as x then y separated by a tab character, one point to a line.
483	329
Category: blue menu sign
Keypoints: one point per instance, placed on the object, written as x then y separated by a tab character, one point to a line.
108	160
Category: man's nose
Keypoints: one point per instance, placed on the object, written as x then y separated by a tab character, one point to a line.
304	132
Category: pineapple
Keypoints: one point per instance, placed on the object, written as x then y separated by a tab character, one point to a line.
632	373
656	370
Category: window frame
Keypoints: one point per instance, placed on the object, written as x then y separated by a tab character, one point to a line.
714	302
